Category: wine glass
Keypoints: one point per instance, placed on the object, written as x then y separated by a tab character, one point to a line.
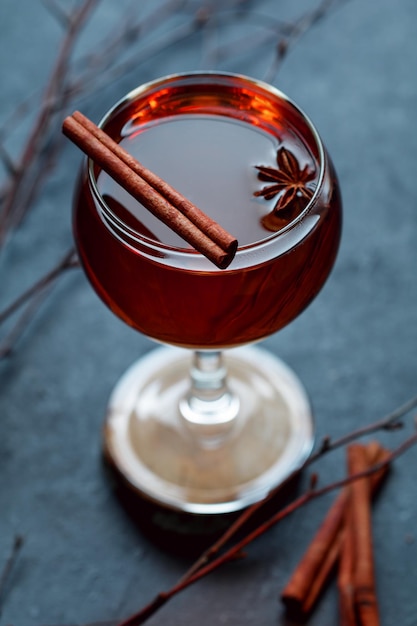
207	423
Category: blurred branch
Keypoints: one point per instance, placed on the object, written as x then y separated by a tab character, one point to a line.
20	192
58	12
11	559
296	30
31	299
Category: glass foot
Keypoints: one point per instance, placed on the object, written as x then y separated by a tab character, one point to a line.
164	456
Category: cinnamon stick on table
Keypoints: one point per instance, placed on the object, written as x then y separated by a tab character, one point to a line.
360	542
189	222
310	576
345	572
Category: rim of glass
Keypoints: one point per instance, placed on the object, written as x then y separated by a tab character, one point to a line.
132	95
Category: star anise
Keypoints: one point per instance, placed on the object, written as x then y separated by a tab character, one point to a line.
290	183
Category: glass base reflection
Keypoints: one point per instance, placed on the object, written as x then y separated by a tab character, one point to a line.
162	449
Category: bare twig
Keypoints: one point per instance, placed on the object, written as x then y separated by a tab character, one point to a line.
125	35
245	45
92	79
11	559
294	32
68	260
391	421
7	161
6	346
57	11
32	298
15	206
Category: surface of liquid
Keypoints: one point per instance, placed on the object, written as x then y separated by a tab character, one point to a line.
210	160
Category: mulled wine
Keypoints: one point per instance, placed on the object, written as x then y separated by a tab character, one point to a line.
207	141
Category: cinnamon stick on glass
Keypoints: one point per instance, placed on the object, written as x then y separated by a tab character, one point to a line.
178	213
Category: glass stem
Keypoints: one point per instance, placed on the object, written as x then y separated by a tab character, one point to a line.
209	408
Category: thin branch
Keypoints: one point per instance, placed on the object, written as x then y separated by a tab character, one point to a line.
391	421
11	559
8	343
32	298
35	177
127	33
68	260
93	80
16	115
43	119
245	45
6	159
299	28
57	12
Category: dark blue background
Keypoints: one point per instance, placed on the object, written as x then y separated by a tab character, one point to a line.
355	348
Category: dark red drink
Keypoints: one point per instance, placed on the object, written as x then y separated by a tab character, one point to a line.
206	136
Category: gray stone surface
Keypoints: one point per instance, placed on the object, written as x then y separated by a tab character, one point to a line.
85	559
